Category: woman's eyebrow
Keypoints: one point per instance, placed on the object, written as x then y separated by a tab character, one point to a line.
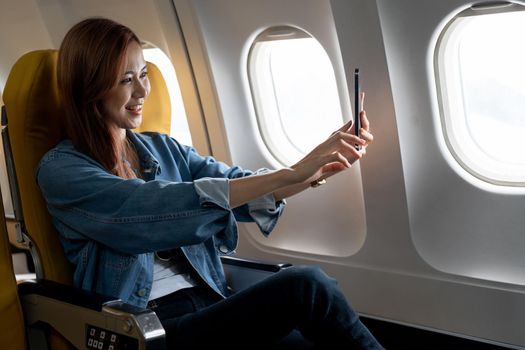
131	72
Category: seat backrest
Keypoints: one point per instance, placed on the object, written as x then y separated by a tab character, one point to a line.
12	336
35	125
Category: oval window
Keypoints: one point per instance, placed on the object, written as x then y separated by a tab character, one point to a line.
481	83
294	90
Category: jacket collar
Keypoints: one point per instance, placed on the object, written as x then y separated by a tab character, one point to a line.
149	165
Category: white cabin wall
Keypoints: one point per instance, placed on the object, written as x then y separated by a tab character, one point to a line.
387	277
469	233
459	224
22	28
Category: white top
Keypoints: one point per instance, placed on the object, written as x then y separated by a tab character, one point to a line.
171	276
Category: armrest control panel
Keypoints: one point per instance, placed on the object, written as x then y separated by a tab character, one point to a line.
102	339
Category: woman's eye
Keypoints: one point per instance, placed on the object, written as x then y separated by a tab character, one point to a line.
125	81
143	74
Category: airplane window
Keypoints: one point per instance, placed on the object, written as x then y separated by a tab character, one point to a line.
180	129
295	93
481	81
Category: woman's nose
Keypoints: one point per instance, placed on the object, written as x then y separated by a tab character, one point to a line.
140	89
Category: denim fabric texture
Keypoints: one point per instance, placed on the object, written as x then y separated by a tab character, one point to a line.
110	227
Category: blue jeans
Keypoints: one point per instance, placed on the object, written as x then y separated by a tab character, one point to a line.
300	298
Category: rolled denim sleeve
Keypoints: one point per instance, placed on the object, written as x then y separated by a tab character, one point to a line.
264	211
213	190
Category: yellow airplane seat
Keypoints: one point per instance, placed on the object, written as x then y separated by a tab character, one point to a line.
32	124
157	107
34	115
12	336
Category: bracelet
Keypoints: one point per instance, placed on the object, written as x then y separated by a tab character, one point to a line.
317	183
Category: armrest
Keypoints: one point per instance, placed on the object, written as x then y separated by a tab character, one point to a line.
242	272
87	319
64	293
254	264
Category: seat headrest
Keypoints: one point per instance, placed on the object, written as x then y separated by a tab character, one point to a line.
156	114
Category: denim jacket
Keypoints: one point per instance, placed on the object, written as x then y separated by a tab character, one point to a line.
110	227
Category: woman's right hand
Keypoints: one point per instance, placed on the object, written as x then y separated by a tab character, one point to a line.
336	153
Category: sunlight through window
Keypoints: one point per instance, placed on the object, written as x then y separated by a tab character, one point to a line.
295	92
481	76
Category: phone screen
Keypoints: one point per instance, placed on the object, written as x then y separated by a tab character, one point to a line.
357	104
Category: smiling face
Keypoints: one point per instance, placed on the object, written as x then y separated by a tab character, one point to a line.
123	102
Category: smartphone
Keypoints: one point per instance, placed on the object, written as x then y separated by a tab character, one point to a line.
357	105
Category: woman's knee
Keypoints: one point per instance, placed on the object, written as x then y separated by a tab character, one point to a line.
311	275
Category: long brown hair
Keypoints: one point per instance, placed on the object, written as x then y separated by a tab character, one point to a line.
89	60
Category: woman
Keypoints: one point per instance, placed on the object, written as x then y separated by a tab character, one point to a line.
144	218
